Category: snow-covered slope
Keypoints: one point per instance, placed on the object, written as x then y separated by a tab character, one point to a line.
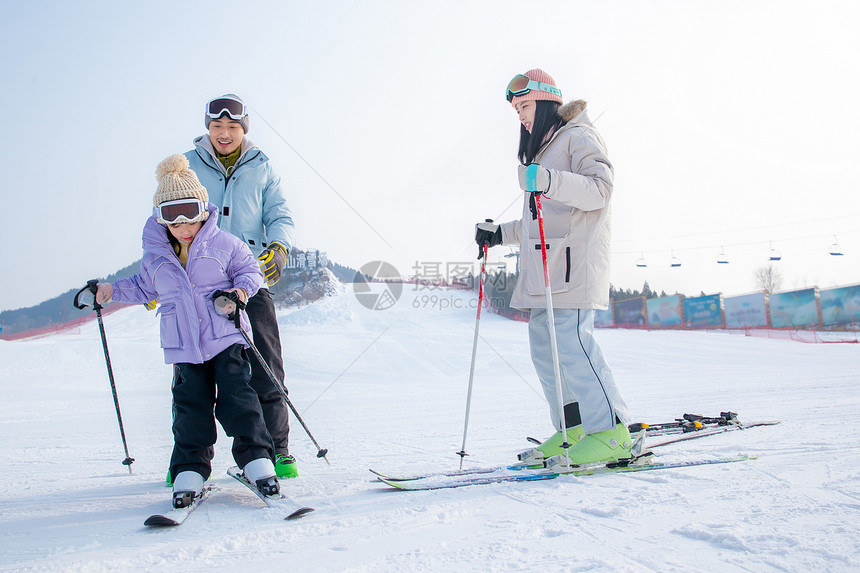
386	390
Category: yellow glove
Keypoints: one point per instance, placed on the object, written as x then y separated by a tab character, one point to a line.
151	304
272	263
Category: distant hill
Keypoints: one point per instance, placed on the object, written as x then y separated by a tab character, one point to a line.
309	276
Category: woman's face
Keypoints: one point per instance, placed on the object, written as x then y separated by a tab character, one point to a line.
526	111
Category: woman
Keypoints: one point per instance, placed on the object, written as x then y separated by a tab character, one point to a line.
563	159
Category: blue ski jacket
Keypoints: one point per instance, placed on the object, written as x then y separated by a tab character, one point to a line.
250	199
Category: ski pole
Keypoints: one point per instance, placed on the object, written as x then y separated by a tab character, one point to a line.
223	300
462	453
93	288
551	319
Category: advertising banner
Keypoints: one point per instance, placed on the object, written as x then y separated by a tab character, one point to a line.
666	312
746	311
703	311
840	306
603	318
794	309
630	312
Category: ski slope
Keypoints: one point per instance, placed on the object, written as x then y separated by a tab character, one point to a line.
386	390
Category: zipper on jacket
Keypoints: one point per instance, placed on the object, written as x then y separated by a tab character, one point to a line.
567	269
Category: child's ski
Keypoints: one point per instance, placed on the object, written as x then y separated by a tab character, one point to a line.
177	515
282	502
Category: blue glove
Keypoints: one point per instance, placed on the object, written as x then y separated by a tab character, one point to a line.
534	178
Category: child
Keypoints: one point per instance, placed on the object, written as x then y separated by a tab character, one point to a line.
187	258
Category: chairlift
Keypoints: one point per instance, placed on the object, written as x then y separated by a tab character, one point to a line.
774	254
674	261
722	258
835	249
640	262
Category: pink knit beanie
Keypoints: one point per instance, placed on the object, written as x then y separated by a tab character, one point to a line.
541	76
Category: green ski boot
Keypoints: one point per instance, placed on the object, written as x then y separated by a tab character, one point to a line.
285	466
550	447
598	448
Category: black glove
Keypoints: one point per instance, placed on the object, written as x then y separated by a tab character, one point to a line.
228	304
487	233
272	263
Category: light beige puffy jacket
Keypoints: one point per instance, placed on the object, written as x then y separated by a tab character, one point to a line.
576	212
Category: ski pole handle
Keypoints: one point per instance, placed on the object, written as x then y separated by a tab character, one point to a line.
92	286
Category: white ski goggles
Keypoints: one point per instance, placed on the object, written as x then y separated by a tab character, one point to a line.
181	211
219	106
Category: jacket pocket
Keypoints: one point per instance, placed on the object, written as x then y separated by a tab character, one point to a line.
558	261
169	326
221	325
254	241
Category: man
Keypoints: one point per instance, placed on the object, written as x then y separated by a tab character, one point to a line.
244	186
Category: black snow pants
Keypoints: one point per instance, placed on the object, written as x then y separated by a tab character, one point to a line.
218	388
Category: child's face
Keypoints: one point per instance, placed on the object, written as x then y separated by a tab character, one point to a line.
225	135
185	232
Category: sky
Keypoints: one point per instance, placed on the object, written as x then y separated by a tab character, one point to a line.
730	127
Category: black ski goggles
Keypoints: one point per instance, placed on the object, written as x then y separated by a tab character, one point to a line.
522	84
219	106
181	211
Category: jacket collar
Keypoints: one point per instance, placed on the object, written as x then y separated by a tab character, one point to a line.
574	115
207	152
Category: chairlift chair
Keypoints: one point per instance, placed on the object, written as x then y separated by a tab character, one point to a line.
640	262
835	249
774	254
674	261
722	258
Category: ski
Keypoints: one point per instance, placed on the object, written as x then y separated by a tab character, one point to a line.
674	429
501	476
707	431
281	502
178	515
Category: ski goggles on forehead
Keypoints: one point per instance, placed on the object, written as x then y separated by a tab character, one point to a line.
219	106
522	84
181	211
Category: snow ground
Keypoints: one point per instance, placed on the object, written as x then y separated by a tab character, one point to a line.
386	390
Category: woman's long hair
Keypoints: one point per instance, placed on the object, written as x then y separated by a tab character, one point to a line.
546	119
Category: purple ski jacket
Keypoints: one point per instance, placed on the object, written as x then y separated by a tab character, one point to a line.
191	330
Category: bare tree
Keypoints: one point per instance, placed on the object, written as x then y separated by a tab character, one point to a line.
768	277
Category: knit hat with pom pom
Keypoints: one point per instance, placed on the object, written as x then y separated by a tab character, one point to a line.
176	180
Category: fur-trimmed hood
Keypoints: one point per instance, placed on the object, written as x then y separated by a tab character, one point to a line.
571	109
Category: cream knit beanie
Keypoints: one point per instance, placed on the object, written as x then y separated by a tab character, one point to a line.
176	180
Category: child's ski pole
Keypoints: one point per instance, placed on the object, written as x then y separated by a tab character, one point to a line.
229	305
93	288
